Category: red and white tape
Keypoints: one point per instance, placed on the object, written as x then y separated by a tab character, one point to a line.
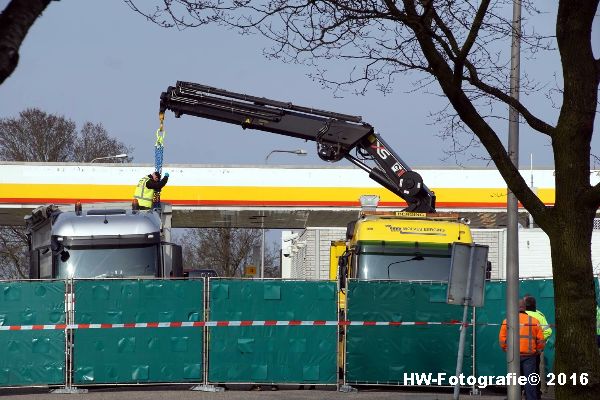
32	327
223	323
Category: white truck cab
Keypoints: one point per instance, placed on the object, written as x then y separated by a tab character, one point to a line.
102	241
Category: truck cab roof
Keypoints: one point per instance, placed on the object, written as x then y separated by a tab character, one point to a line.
397	229
99	222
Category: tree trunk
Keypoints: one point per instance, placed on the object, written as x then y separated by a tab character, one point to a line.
571	222
575	306
15	21
570	231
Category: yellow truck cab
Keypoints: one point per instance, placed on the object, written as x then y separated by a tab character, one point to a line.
400	246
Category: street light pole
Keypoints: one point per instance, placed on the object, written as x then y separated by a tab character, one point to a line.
513	354
298	152
262	255
107	157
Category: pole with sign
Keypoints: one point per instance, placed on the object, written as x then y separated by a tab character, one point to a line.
466	287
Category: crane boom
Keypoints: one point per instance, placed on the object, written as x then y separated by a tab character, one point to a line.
336	134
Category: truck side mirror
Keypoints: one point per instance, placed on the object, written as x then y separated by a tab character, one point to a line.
64	256
172	264
56	246
343	270
34	264
177	263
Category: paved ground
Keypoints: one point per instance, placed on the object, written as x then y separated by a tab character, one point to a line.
183	393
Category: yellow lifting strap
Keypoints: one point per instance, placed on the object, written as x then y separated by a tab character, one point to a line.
160	132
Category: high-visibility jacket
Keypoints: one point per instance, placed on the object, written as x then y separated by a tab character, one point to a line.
531	338
546	330
144	195
597	320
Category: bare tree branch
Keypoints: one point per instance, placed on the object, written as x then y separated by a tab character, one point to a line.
15	21
14	262
471	37
533	121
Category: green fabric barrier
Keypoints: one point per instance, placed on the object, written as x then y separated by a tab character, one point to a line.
383	354
138	355
32	357
272	354
490	359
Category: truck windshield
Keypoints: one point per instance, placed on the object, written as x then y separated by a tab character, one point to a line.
429	264
108	262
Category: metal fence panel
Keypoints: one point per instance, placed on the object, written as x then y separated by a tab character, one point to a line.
138	355
272	354
383	354
490	359
32	357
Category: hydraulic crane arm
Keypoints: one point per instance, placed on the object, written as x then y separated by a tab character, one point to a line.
336	134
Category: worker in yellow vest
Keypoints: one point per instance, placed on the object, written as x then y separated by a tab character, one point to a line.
598	325
147	187
531	309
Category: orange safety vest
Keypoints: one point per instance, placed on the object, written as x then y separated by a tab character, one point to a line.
531	337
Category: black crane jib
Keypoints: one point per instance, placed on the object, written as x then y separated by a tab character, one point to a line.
336	134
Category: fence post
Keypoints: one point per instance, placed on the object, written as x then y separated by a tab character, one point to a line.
345	388
205	387
69	321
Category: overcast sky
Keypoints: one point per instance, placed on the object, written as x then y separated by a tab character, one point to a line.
98	61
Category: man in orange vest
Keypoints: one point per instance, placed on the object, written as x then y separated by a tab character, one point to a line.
531	343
